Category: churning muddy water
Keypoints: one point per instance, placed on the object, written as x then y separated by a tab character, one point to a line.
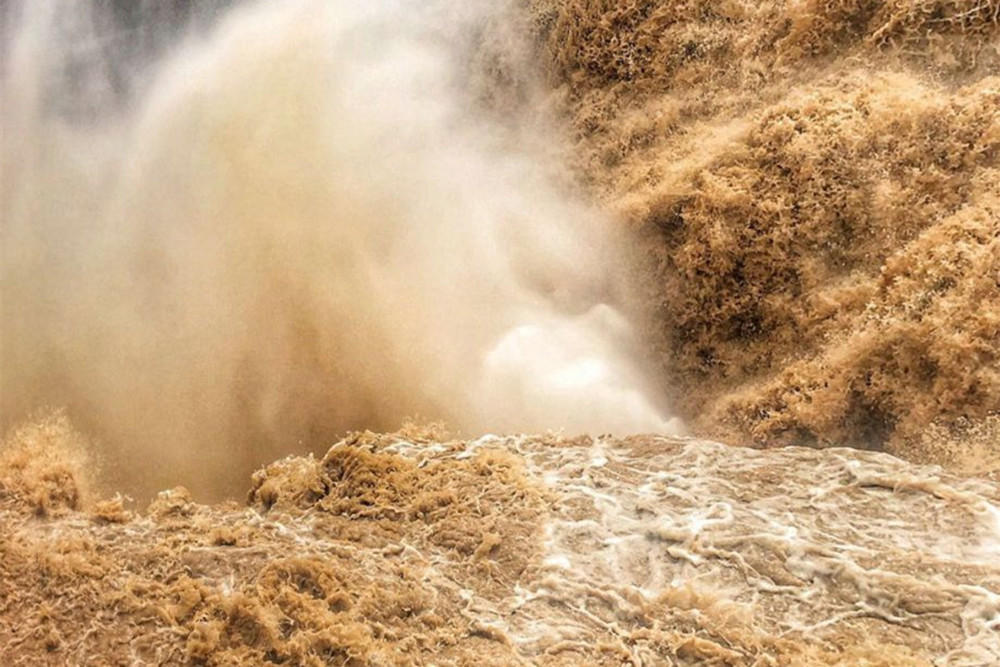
233	231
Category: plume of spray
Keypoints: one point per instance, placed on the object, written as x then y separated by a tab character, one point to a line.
236	240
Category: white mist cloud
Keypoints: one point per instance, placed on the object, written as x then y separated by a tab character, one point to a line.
303	225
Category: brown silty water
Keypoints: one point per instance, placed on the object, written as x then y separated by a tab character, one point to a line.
233	231
415	549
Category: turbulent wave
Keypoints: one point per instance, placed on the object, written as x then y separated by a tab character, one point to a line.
413	549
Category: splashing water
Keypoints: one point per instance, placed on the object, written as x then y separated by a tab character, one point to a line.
720	555
232	232
520	550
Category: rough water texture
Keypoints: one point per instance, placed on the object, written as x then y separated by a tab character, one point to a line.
414	549
817	183
814	188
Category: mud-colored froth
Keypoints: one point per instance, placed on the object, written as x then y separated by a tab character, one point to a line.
411	549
